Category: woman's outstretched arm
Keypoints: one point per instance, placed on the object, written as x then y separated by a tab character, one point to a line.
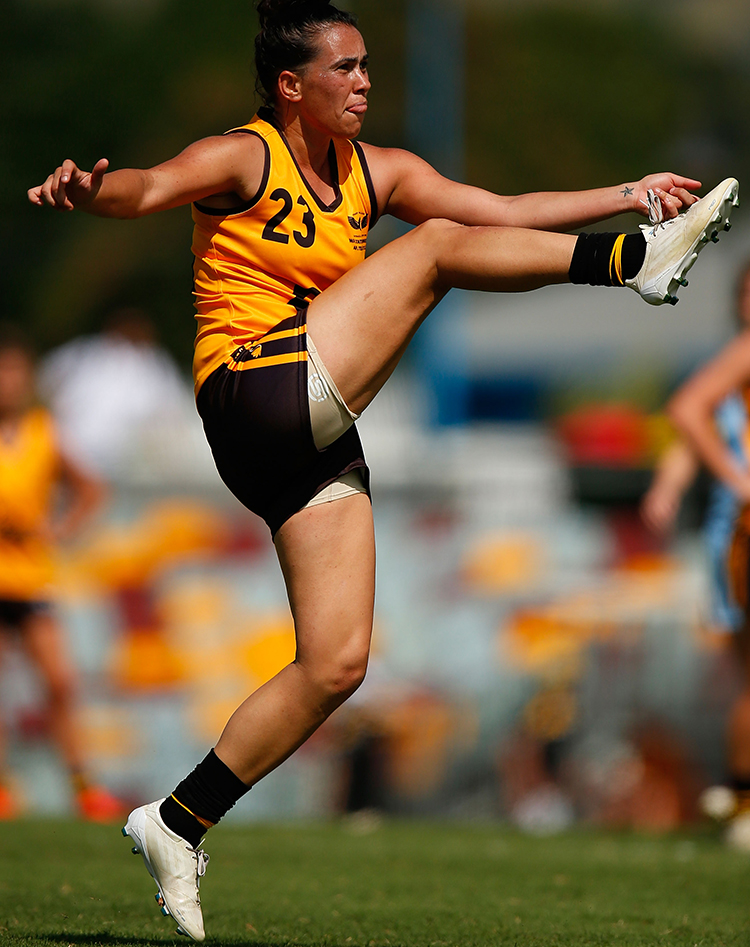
224	164
412	190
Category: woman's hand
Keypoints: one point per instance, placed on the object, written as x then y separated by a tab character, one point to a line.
675	472
659	509
673	191
69	187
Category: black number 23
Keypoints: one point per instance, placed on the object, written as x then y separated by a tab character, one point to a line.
306	239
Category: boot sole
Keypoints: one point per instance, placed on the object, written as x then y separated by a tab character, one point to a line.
135	829
719	221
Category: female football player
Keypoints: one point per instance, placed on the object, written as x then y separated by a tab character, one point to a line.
297	333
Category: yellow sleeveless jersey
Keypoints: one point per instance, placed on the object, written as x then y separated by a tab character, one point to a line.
29	470
256	263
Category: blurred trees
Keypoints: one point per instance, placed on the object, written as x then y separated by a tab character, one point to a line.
133	85
555	99
588	96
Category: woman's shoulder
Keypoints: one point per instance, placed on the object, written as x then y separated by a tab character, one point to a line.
263	124
388	160
259	129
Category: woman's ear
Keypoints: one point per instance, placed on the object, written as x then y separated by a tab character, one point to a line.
289	86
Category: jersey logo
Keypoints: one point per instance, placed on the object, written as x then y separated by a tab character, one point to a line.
360	220
317	389
243	354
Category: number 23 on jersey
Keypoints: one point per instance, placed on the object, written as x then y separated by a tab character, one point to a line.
304	237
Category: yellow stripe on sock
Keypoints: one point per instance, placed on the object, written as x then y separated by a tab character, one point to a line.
616	258
204	822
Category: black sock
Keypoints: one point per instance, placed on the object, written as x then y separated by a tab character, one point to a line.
593	258
202	799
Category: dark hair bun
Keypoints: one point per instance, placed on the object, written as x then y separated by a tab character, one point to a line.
288	11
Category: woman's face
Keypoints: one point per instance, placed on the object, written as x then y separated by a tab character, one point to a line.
333	87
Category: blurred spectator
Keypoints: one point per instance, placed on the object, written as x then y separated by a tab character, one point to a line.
108	391
32	468
532	766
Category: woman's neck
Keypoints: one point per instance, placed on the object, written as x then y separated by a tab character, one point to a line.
309	145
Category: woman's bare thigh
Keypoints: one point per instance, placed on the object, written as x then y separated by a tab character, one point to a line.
362	324
327	556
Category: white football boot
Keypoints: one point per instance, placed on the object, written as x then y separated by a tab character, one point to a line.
175	867
672	246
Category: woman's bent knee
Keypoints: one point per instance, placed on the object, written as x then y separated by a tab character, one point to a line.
436	241
338	679
436	229
342	681
349	679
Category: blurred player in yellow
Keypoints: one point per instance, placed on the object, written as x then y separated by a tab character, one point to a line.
44	498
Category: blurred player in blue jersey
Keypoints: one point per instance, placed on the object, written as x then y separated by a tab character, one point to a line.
711	412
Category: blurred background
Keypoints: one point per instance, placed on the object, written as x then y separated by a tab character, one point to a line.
540	656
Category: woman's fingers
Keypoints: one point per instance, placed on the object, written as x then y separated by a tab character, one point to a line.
675	199
684	195
34	194
690	183
96	176
69	177
67	170
46	191
670	204
58	189
68	185
98	171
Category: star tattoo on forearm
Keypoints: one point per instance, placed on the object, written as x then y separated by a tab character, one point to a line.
626	191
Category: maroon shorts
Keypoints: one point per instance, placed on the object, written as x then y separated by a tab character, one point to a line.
256	417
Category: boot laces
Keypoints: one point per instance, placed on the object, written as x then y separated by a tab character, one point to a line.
201	861
655	210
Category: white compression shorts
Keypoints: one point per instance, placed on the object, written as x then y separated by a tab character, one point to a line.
330	417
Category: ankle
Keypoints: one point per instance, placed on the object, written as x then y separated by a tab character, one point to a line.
202	799
606	259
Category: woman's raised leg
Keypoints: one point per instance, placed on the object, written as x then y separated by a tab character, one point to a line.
364	321
362	324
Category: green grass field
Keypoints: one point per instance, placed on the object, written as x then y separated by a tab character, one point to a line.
404	885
